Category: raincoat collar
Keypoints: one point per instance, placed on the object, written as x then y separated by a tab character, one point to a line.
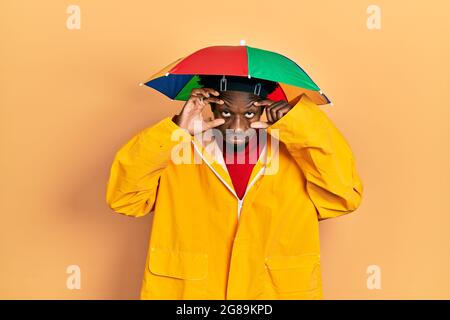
208	150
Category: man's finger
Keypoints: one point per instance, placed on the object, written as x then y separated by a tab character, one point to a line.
199	92
204	92
214	92
278	105
268	114
259	125
213	123
212	99
200	100
282	111
267	103
204	101
274	108
210	91
264	102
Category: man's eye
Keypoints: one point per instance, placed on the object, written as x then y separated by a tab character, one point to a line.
249	115
226	114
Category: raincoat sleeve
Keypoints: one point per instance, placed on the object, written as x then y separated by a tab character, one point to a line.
324	156
135	171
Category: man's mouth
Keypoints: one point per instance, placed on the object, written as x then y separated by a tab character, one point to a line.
236	138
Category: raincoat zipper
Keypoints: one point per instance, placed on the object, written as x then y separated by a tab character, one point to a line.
240	202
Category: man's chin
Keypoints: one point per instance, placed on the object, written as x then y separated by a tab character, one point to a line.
236	143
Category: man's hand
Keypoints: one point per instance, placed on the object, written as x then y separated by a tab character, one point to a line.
274	112
192	110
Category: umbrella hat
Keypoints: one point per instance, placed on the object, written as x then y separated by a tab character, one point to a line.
177	80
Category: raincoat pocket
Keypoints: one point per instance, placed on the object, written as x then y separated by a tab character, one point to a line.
291	274
178	264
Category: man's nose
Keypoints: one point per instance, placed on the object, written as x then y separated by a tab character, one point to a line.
239	124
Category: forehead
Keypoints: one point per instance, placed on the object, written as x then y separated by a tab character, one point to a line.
233	99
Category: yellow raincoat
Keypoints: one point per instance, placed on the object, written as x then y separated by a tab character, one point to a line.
208	244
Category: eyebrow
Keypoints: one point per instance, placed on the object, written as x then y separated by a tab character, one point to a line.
249	105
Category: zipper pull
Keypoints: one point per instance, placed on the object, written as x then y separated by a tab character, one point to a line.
240	201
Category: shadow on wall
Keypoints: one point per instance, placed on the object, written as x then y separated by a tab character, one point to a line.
109	247
115	246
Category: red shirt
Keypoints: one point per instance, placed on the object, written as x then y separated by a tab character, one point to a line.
240	172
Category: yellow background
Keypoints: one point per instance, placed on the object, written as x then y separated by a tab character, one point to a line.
70	99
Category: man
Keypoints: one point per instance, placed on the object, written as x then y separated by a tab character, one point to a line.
227	230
